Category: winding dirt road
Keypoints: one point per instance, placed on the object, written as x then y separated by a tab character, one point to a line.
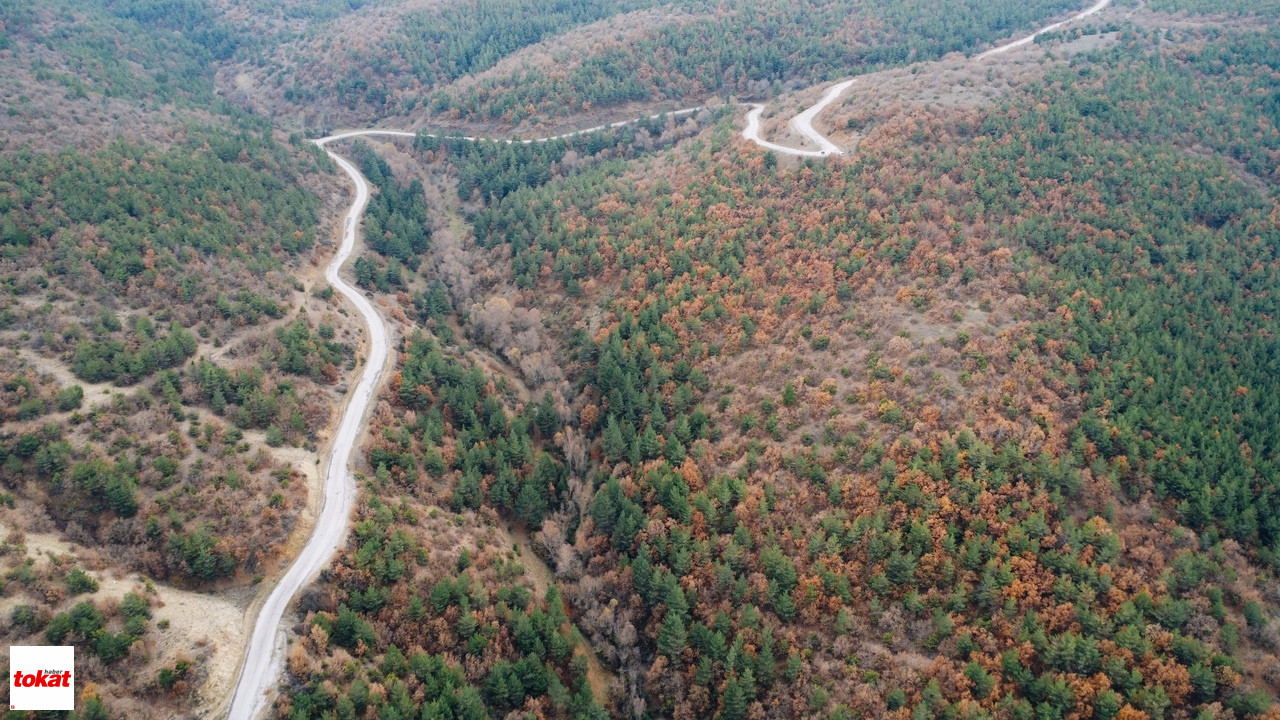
802	123
264	656
1048	28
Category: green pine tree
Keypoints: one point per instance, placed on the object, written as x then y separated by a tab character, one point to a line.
672	638
614	444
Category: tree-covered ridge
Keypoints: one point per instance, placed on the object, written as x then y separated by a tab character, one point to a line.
683	291
309	11
82	73
489	170
1219	83
142	50
449	42
430	58
414	50
749	49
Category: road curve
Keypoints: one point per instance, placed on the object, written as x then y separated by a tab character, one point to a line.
752	132
264	656
802	123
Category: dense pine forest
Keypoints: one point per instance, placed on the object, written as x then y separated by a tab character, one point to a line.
976	420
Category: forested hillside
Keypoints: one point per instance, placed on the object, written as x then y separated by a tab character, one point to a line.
497	62
975	423
749	51
974	420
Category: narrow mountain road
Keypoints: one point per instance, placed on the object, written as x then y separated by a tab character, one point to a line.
264	656
752	132
1048	28
803	123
